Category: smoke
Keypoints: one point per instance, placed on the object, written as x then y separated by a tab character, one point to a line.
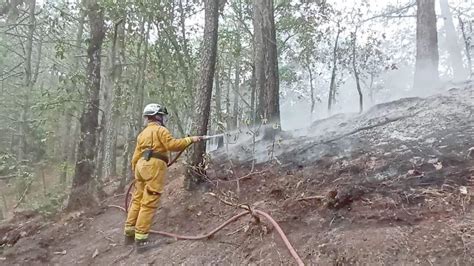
394	82
300	126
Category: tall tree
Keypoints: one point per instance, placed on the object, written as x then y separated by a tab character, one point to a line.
459	72
218	105
332	86
427	57
82	187
266	62
238	63
196	169
467	45
136	101
69	113
113	86
28	80
356	72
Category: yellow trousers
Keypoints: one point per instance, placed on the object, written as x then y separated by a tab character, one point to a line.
149	184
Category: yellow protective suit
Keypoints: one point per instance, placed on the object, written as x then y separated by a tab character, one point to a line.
149	177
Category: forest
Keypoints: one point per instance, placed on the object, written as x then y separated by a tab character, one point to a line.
76	75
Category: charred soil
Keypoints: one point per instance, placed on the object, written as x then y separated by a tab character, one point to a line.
391	186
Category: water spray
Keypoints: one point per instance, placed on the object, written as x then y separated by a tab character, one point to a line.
213	136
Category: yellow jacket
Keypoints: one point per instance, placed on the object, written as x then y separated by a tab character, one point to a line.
159	139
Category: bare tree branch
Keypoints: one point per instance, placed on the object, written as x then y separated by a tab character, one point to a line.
383	15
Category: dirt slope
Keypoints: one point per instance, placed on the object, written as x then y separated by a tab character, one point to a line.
390	186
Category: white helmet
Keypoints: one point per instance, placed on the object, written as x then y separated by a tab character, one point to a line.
154	109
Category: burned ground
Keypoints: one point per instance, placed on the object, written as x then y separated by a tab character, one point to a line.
390	186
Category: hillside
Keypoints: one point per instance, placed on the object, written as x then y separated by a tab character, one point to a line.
390	186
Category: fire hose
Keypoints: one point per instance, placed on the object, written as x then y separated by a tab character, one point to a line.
234	218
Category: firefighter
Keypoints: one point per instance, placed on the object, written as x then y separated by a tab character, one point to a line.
149	164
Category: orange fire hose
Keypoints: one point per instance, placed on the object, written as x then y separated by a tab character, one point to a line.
227	222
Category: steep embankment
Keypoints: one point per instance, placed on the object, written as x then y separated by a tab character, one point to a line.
390	186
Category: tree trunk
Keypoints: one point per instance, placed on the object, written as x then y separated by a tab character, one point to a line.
183	33
228	117
459	72
266	53
332	86
127	153
27	82
253	97
235	111
112	111
311	86
121	94
99	143
259	59
371	89
218	99
467	46
238	51
356	72
135	112
218	95
141	82
272	85
196	169
179	122
427	57
82	192
68	117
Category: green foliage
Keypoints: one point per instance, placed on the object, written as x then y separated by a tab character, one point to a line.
166	64
288	74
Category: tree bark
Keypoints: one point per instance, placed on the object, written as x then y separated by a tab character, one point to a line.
467	46
218	103
266	61
112	111
253	97
238	61
332	86
28	82
427	57
228	83
259	59
196	169
356	72
235	109
371	89
82	192
218	95
179	121
459	72
311	86
272	85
